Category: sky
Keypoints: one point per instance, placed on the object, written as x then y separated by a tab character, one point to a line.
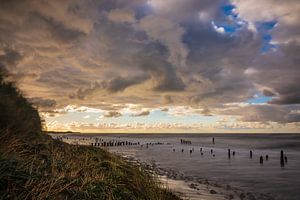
163	66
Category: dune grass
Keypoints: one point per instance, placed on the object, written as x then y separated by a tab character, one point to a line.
35	166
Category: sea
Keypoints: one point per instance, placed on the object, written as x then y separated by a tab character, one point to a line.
200	168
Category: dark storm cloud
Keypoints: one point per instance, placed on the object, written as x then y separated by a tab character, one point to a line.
9	61
117	84
43	103
268	93
280	71
289	94
58	29
266	113
294	117
154	62
65	78
230	89
10	58
168	82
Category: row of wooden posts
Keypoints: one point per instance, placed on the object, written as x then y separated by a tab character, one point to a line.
114	143
185	141
283	158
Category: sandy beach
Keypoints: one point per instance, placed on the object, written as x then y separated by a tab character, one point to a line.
190	188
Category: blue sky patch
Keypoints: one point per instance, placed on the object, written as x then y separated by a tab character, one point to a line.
228	10
259	99
265	29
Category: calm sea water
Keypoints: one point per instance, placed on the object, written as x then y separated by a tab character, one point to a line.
240	171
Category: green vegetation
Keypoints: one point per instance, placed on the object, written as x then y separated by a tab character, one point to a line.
35	166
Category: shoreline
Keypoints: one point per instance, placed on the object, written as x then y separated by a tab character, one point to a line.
193	188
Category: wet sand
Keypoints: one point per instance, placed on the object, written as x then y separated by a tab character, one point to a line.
190	188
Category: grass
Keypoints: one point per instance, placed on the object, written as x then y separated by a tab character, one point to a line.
35	166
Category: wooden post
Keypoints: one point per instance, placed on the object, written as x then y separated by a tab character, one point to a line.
285	159
250	154
261	160
281	159
228	153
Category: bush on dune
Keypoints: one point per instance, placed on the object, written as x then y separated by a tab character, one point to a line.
17	114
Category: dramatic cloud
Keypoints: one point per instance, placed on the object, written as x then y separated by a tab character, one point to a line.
43	103
280	72
206	58
10	58
117	84
168	33
265	113
285	13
